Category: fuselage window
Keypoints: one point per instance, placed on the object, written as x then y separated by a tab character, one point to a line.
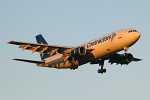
132	31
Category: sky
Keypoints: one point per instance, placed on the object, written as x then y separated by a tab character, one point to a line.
71	23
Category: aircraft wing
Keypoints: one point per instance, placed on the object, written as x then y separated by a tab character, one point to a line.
117	58
42	48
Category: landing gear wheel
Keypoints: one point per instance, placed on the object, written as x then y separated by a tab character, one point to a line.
101	71
104	70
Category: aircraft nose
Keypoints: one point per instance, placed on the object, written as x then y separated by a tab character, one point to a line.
137	35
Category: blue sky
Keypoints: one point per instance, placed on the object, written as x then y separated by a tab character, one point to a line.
70	23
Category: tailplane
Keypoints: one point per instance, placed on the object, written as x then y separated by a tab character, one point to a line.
30	61
41	40
39	63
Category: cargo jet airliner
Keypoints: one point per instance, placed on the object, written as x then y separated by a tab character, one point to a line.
93	52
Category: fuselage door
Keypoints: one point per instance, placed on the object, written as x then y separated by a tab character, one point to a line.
119	36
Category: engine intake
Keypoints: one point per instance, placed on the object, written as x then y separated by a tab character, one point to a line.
79	51
126	58
129	57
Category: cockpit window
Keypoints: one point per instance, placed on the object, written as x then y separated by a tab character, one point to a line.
132	31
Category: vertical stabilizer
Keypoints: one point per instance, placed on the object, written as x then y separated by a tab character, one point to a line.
41	40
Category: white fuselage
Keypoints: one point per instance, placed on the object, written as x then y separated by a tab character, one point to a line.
102	46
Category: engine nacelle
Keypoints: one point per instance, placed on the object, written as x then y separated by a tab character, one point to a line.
79	51
126	58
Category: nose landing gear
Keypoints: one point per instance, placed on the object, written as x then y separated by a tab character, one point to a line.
126	49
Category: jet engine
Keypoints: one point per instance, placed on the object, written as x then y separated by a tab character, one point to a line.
125	58
79	51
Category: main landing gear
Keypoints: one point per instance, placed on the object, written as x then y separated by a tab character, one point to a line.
101	71
73	64
102	65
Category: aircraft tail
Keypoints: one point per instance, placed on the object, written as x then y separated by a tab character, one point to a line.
41	40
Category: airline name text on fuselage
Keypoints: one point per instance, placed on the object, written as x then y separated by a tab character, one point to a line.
90	44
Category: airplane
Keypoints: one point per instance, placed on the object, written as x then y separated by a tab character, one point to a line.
93	52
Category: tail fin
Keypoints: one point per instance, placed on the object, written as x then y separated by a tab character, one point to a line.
41	40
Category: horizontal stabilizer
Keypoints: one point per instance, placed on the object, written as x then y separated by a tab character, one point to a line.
30	61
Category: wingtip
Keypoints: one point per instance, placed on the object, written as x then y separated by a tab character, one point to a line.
136	59
10	42
14	59
141	59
